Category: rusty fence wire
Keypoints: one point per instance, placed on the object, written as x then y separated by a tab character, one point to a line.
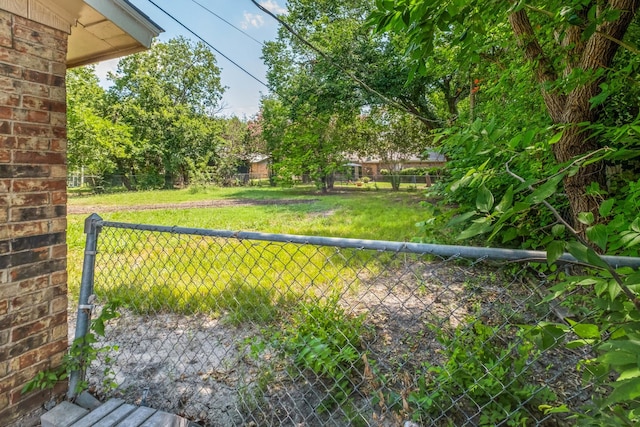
250	329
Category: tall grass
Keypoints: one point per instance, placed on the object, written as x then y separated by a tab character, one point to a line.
231	275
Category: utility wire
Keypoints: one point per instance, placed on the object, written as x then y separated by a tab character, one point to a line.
210	45
228	23
349	74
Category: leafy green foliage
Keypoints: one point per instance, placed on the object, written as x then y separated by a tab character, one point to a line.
82	353
327	341
480	374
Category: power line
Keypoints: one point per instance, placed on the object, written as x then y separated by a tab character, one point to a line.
209	44
228	23
348	73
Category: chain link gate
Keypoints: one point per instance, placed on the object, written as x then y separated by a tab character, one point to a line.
236	328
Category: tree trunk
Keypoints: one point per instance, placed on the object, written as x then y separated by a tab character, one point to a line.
574	108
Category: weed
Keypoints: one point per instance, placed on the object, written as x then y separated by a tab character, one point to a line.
328	341
483	378
81	354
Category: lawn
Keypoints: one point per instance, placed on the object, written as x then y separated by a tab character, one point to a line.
358	213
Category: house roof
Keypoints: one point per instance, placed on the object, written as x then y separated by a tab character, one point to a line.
107	29
98	29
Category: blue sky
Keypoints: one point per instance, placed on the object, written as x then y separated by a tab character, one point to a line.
242	96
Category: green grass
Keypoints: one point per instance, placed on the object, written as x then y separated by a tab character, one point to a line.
240	280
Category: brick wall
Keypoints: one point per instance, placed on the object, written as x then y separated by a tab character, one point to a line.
33	282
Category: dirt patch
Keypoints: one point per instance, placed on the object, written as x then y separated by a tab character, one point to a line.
80	209
204	368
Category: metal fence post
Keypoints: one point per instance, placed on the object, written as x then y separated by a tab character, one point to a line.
85	306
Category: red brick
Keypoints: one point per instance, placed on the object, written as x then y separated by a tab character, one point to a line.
57	225
9	99
5	157
25	331
4	307
59	172
59	131
33	285
38	117
31	62
36	103
31	88
30	129
59	69
7	84
33	143
43	353
59	252
58	92
59	278
58	119
58	144
37	157
45	38
6	33
7	113
28	229
29	314
58	197
30	199
8	142
36	76
57	305
5	127
30	48
41	28
10	70
28	300
60	331
36	185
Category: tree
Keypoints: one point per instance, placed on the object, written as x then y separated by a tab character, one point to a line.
341	74
167	96
571	46
94	142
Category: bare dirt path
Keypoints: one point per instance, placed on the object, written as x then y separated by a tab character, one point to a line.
84	209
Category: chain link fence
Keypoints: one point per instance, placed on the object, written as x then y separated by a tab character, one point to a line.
251	329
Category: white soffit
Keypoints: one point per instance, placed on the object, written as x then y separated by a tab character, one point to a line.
107	29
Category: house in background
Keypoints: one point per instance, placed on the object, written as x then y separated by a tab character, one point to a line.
373	166
360	166
39	39
259	166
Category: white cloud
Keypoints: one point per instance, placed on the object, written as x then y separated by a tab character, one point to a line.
252	20
274	7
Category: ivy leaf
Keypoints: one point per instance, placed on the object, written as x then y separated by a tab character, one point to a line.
624	391
545	190
605	207
555	138
598	234
480	226
586	218
506	201
555	250
586	331
461	218
484	199
557	230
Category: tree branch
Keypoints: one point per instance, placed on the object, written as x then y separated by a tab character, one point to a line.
533	52
348	73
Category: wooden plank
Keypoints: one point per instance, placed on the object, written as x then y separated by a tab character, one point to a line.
165	419
137	417
99	413
116	416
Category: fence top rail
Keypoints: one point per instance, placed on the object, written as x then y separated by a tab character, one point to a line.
448	251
